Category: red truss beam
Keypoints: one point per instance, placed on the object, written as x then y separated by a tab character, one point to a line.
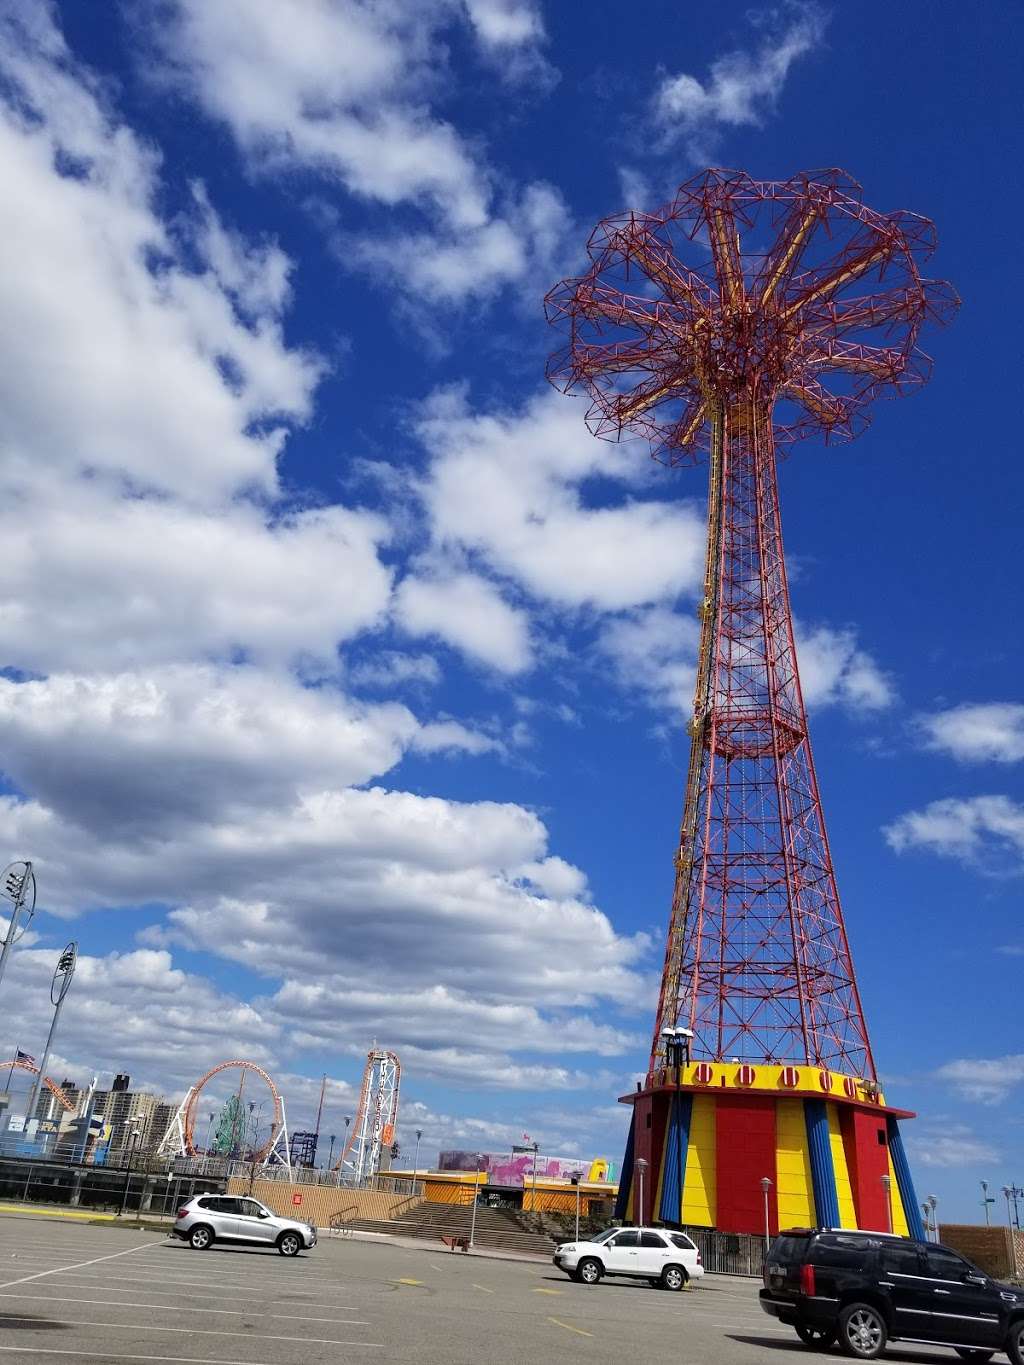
682	333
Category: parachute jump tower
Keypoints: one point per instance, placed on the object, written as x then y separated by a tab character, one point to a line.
742	316
376	1118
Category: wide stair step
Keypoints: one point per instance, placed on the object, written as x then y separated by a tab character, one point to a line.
495	1229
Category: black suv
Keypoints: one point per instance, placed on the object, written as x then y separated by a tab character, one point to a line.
863	1289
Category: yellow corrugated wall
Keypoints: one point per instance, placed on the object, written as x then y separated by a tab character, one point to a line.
793	1166
844	1190
699	1179
899	1217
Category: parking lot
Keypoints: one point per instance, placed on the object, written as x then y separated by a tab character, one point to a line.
94	1294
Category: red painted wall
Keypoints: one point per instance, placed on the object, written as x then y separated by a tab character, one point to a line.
745	1153
868	1160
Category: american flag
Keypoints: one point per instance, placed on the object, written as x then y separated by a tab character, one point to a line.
24	1057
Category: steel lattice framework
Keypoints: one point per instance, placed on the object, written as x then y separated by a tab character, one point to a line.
709	342
376	1117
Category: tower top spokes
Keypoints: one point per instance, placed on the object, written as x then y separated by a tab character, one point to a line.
791	293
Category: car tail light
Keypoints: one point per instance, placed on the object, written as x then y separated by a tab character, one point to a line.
699	1261
807	1280
183	1212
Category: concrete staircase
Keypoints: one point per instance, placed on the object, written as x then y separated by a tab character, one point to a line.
496	1229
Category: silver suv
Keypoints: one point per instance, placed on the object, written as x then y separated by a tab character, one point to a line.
210	1218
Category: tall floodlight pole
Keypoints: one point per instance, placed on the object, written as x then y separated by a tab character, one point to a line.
59	987
740	317
19	887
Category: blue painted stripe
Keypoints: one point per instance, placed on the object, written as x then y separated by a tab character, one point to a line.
626	1181
676	1146
904	1180
823	1172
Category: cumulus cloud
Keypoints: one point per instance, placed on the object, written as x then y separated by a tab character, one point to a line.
983	832
512	487
976	732
344	89
742	86
96	579
133	328
835	670
469	613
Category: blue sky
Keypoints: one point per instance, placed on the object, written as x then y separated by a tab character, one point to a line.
345	673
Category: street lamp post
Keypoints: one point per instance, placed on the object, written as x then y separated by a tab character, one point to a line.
887	1187
766	1189
640	1165
933	1204
330	1154
576	1177
476	1199
59	987
133	1137
986	1201
416	1157
19	887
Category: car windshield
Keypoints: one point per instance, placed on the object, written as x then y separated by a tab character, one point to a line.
603	1236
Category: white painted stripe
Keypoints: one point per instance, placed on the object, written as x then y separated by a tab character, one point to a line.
188	1331
146	1246
167	1308
185	1289
109	1355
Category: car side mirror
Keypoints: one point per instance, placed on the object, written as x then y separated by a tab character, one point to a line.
263	1214
971	1278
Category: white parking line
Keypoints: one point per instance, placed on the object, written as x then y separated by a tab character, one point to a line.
185	1289
109	1355
146	1246
164	1307
188	1331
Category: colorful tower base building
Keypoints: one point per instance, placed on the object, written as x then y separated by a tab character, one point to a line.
828	1144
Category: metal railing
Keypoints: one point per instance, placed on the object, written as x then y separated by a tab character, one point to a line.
727	1253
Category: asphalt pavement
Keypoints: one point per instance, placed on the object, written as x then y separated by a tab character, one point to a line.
81	1293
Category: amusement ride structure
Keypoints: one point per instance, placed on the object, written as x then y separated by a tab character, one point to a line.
745	315
376	1118
233	1128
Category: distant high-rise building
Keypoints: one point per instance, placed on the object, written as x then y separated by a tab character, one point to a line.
121	1081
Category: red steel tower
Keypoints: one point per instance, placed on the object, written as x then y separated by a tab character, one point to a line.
745	315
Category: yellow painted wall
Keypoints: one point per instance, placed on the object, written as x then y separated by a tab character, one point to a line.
699	1179
793	1167
899	1217
844	1190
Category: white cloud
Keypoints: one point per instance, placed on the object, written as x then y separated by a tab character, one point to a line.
952	1147
390	668
987	1080
343	88
450	736
742	87
984	832
654	652
469	613
190	742
977	732
834	670
131	329
94	579
512	487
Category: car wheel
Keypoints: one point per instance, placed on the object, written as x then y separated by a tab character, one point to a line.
673	1277
574	1275
289	1243
589	1270
973	1353
200	1238
820	1337
862	1331
1015	1342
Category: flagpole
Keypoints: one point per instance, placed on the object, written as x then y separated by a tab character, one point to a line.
10	1074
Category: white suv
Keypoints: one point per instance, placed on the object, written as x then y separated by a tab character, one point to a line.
210	1218
668	1259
